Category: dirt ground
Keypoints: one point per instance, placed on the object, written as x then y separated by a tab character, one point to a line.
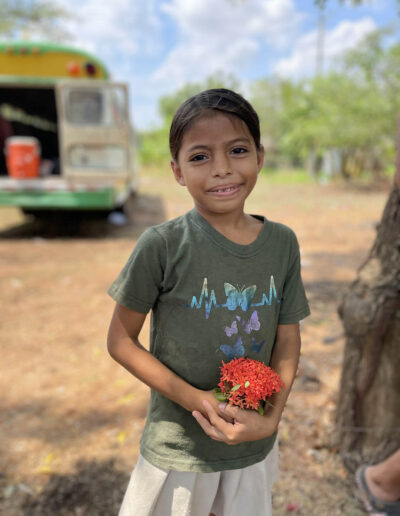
71	418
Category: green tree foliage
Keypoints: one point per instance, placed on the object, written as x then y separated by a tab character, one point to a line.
24	16
153	147
266	98
335	111
352	110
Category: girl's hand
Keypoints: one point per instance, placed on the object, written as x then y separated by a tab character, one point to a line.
208	396
246	425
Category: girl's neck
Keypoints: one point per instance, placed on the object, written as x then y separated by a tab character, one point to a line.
240	228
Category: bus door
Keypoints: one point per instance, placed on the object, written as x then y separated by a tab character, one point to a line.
95	131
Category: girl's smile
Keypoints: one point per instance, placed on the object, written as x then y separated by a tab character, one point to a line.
219	163
225	190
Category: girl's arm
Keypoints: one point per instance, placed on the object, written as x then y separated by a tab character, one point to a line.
124	347
249	425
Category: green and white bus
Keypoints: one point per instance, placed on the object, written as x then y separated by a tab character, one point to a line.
62	99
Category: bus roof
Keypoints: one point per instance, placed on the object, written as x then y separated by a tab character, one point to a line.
25	61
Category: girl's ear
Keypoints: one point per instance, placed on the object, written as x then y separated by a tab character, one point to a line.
177	173
260	157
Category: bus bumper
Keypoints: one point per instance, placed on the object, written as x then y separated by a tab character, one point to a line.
44	196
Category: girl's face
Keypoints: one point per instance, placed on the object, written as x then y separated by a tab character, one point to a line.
218	163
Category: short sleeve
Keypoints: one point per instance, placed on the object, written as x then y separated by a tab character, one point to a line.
294	305
139	283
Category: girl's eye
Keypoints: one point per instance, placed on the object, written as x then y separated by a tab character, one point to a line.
198	157
239	150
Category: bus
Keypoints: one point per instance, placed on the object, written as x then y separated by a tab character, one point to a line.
63	100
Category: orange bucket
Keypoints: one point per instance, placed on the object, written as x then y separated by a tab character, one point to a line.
22	157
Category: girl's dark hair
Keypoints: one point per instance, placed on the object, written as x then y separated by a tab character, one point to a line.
219	99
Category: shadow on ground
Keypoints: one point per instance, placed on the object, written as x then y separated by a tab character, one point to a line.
94	489
138	213
42	421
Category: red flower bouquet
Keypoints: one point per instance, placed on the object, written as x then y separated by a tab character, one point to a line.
247	383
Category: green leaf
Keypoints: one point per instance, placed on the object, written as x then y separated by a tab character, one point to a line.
247	383
220	396
260	409
235	388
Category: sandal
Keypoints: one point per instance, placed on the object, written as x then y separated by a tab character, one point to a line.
371	503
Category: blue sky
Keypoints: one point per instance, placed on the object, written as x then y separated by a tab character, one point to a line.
157	45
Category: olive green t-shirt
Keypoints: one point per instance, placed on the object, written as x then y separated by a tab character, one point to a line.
211	300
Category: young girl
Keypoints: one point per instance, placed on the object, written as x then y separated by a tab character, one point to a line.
220	284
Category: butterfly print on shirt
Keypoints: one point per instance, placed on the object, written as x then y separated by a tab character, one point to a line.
253	324
231	330
235	351
256	346
239	297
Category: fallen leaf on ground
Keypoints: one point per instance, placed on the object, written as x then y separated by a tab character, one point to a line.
121	436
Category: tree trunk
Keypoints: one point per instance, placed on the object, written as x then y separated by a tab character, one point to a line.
368	414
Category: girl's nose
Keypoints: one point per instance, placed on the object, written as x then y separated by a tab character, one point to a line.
221	166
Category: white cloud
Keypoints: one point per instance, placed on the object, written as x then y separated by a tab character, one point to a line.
235	18
197	60
302	61
109	28
223	35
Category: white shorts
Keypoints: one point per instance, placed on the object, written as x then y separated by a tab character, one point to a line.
155	491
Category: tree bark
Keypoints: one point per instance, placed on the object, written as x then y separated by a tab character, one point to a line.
368	413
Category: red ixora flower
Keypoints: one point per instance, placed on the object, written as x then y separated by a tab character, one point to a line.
247	383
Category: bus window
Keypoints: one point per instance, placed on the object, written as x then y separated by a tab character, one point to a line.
84	107
115	112
96	107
